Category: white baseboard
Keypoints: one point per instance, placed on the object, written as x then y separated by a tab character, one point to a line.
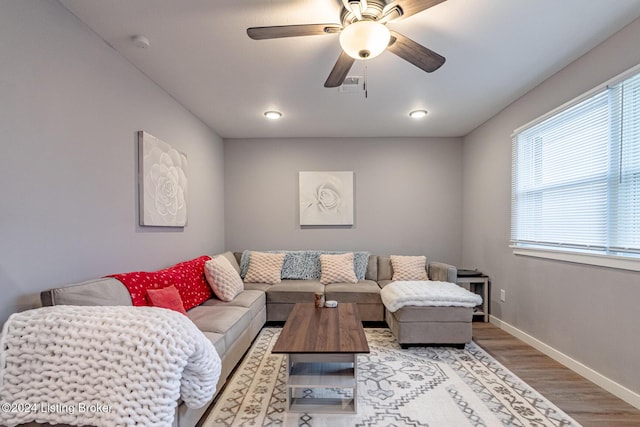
611	386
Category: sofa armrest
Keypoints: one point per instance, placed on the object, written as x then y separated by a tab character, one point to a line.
442	272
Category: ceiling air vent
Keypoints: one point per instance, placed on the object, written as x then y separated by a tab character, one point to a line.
353	84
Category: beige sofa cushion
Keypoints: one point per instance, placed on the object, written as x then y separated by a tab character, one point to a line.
363	292
254	300
230	321
293	291
256	286
218	342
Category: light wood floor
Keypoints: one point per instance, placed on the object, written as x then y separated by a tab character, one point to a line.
584	401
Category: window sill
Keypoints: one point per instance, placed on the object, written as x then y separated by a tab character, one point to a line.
618	262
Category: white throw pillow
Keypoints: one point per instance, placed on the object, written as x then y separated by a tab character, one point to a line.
337	269
223	278
264	268
409	267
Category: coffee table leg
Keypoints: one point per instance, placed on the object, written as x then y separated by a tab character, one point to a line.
355	386
289	389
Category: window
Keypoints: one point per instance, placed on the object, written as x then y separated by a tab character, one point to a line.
576	176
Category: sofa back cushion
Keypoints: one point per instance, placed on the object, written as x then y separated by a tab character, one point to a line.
385	270
105	291
233	258
372	268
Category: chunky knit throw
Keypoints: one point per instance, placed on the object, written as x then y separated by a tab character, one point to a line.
103	366
426	293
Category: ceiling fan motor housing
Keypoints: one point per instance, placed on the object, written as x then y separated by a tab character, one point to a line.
373	12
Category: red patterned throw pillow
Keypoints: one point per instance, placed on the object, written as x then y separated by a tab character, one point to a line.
187	277
166	298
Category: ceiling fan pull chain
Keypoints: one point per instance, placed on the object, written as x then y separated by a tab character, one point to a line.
366	88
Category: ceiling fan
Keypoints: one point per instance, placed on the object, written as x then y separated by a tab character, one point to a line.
364	35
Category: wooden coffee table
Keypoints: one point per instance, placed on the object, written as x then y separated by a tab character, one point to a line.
321	346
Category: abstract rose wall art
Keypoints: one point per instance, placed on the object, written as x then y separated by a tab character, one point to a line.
326	198
163	183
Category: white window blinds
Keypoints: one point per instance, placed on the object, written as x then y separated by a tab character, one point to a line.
625	188
576	175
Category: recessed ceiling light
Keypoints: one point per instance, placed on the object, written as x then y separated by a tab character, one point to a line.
272	115
418	114
140	41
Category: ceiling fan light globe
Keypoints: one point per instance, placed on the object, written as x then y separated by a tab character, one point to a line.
364	39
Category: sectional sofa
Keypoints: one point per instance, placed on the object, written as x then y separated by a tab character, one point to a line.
232	326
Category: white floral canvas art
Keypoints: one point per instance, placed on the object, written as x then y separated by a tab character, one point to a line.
163	183
326	198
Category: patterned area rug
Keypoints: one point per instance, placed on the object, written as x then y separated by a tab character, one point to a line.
420	386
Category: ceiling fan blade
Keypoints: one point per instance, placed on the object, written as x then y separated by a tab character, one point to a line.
339	71
276	32
415	53
411	7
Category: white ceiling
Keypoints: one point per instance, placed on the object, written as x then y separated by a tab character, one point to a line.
496	51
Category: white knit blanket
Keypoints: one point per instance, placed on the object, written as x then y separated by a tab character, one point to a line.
103	366
426	293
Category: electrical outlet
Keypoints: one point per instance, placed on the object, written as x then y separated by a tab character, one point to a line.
503	295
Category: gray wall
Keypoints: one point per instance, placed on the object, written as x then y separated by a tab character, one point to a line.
408	194
69	111
588	313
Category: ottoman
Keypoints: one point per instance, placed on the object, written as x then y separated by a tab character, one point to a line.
431	325
429	312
